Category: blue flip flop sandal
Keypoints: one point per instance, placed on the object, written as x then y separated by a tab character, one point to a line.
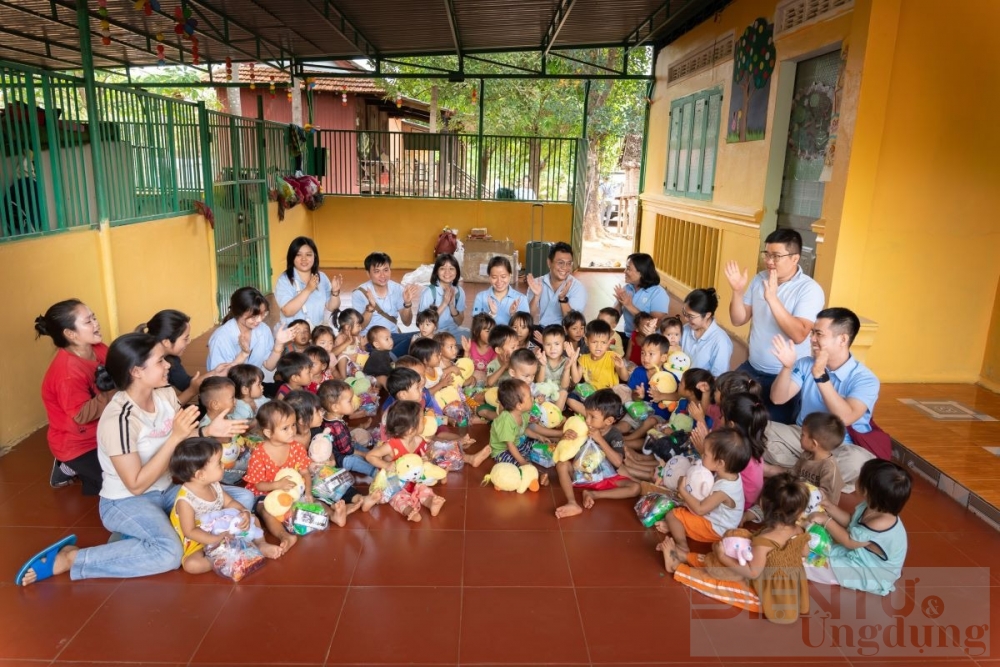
43	562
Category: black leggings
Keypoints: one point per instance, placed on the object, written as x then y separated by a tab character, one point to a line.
88	468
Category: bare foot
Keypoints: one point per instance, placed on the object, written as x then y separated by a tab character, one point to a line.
338	513
436	503
414	516
661	526
64	561
671	557
368	503
588	500
568	510
475	460
269	550
355	504
543	479
287	542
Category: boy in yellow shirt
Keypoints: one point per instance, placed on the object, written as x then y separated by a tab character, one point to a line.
599	367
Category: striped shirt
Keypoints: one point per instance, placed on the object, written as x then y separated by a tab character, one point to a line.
125	428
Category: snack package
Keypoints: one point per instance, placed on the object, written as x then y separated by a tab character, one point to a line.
541	454
458	413
329	484
234	558
591	465
447	454
652	508
305	518
386	484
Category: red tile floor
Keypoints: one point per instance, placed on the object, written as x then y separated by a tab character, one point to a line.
495	579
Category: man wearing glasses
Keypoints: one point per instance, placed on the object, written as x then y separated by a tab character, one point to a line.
558	292
782	301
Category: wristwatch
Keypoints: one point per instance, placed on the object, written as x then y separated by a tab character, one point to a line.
825	377
563	299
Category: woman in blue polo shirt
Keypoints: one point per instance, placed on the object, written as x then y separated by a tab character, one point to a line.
302	291
500	301
641	292
702	338
446	296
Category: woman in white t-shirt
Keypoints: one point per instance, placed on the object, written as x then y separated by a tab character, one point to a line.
136	437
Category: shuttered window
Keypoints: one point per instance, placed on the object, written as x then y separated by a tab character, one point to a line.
693	142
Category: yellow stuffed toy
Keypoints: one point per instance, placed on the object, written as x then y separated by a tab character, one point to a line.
447	395
277	502
412	468
466	367
492	397
549	414
430	427
664	382
509	477
566	450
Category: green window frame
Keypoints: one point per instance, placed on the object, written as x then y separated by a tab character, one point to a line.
693	143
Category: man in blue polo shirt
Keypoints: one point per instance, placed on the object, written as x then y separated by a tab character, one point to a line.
558	292
831	380
782	301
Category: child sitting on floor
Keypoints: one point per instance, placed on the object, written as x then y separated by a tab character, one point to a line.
428	352
870	544
196	464
336	398
602	409
575	326
503	340
556	360
218	396
295	371
671	329
521	323
403	422
323	336
510	431
380	354
427	323
249	383
277	421
301	336
449	354
479	349
611	316
822	433
598	367
654	354
645	325
774	581
726	454
320	368
347	344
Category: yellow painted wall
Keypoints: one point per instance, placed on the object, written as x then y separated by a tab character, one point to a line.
37	273
991	358
346	229
919	249
164	264
298	222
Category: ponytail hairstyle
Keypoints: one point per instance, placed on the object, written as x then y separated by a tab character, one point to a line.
747	414
693	377
165	325
59	317
128	351
703	301
246	301
345	318
737	382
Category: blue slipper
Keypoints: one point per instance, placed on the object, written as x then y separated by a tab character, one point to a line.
43	562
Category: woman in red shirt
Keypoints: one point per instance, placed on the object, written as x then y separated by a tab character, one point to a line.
70	392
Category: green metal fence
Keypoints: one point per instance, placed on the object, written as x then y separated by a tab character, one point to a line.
449	166
45	166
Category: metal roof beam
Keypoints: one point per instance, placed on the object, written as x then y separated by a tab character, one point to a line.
342	27
449	7
271	45
584	62
40	56
298	35
563	8
73	48
54	18
500	64
651	25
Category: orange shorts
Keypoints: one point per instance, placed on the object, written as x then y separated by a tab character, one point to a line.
697	528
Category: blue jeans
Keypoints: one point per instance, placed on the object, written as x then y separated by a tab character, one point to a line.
786	413
150	545
401	343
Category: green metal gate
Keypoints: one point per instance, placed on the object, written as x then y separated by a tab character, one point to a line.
239	201
579	199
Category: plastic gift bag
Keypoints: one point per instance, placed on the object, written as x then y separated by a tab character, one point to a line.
591	465
234	558
541	454
329	484
652	508
458	413
447	454
305	518
386	484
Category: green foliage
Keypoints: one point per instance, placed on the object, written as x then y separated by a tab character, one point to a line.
178	75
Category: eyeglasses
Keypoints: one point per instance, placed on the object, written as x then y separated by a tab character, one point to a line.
690	316
564	264
774	257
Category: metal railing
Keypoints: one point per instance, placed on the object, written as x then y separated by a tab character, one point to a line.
448	166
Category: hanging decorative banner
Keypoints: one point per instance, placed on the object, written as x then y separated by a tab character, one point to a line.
102	12
147	7
229	68
195	58
253	80
272	86
186	23
343	98
161	59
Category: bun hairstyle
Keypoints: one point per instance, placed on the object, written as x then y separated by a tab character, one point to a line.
127	352
703	301
59	317
165	325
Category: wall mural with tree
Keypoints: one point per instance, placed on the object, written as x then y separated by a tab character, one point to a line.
753	67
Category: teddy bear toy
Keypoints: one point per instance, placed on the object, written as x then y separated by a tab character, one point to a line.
567	449
714	567
736	544
678	361
680	422
230	452
673	470
277	503
664	382
321	447
492	397
815	500
412	468
509	477
699	481
547	414
227	522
